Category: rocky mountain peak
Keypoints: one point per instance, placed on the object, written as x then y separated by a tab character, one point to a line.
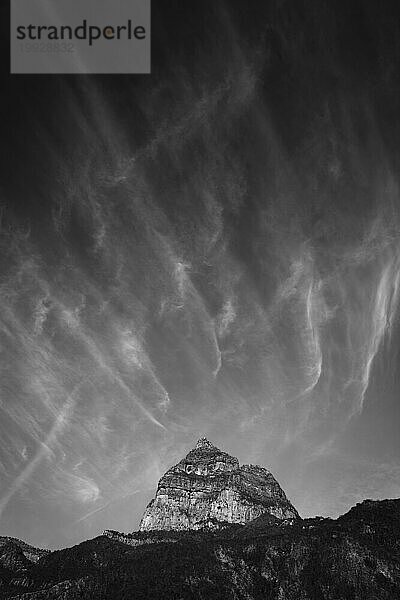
203	443
208	489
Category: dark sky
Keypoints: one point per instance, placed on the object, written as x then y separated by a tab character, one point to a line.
212	250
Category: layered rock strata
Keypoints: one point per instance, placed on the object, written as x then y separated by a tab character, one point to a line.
208	489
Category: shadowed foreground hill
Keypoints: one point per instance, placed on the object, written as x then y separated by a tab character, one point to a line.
356	557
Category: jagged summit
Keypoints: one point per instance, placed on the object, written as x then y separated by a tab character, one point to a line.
203	443
208	489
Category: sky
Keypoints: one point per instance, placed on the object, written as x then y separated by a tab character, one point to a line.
210	250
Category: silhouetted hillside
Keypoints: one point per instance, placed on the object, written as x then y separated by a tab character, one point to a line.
355	557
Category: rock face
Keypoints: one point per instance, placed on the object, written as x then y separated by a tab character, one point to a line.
208	490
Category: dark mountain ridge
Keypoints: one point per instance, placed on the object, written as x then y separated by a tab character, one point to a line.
216	530
356	556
